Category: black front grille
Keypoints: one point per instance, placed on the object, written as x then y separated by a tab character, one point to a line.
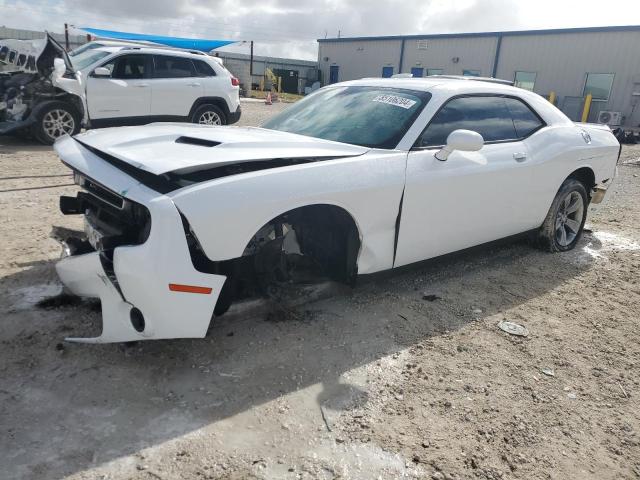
103	193
110	219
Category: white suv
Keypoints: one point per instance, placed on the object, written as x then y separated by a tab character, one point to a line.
111	85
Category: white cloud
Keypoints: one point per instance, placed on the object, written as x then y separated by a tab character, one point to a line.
289	28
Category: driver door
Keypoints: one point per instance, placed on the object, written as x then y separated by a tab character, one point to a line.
472	197
125	94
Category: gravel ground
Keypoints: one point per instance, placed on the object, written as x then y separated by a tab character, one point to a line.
405	376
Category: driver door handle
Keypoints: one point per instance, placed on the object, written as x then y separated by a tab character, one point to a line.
141	85
520	156
193	84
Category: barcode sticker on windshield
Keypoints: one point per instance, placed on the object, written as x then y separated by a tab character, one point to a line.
395	100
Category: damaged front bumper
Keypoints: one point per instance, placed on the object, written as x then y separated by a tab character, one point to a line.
137	284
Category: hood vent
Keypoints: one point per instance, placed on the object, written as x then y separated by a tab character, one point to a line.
197	141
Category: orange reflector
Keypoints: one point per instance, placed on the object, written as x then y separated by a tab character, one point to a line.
175	287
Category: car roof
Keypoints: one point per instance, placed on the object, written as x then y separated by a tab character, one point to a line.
440	83
446	87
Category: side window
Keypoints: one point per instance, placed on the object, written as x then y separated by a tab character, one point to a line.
172	67
488	116
203	69
524	120
128	67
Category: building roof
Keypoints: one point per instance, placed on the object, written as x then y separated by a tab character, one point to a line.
509	33
261	58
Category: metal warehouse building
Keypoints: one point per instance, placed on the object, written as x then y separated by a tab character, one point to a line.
295	74
603	61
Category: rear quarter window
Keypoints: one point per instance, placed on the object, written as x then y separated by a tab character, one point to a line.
203	69
525	120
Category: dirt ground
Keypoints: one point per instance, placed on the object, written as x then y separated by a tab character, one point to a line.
405	376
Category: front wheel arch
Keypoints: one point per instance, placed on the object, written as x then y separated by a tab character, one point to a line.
326	234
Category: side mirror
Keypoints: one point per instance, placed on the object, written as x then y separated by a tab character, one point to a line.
59	67
463	140
101	72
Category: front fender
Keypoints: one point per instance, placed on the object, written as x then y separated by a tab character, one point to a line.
225	213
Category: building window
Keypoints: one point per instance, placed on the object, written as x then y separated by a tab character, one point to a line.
434	71
598	85
471	73
525	80
422	44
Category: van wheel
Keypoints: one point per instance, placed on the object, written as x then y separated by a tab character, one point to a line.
209	115
562	228
54	120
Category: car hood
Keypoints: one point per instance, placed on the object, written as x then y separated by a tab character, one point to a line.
160	148
32	56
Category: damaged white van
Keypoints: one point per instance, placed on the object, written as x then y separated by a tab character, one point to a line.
48	94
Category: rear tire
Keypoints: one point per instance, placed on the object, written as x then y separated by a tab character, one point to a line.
54	120
209	115
562	228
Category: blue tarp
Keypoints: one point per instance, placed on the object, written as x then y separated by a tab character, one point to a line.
188	43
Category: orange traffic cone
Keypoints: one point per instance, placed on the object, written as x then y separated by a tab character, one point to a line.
268	101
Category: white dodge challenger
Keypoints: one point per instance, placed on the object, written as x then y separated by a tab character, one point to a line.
357	178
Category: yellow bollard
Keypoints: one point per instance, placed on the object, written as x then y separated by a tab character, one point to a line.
587	107
552	98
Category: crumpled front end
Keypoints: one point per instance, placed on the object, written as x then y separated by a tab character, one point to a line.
29	77
133	256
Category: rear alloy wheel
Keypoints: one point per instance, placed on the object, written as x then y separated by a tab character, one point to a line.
569	219
54	121
563	225
209	115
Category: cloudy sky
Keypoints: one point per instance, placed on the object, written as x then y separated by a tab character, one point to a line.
289	28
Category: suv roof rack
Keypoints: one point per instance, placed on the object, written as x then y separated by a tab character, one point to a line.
477	79
160	47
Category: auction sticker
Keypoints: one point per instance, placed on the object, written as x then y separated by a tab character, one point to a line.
395	100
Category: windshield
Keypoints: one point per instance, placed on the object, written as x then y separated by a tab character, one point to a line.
84	48
87	58
375	117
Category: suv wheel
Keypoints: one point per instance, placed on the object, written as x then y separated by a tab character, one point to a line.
209	115
55	120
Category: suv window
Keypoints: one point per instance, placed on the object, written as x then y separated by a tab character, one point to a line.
172	67
203	69
129	66
489	116
524	119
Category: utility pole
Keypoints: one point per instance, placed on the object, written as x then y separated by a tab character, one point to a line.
251	61
66	37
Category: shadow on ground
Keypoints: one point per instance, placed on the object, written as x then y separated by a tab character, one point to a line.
67	408
11	144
